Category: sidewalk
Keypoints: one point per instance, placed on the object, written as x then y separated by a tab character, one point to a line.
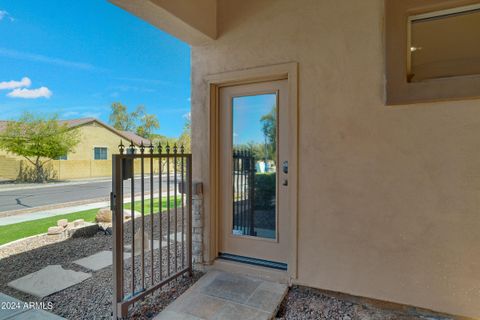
24	186
46	213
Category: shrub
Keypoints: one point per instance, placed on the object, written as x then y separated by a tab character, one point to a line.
265	190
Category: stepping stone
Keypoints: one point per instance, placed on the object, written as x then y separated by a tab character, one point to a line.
48	280
36	315
21	311
6	313
99	260
179	237
128	247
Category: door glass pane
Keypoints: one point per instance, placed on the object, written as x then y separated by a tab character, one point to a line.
254	167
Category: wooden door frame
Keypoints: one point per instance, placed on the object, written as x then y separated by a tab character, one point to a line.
288	71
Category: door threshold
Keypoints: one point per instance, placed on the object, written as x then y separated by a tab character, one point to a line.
250	270
253	261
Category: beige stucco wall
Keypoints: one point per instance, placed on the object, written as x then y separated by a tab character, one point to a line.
389	197
95	135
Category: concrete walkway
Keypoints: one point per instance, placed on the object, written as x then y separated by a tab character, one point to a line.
50	213
14	309
227	296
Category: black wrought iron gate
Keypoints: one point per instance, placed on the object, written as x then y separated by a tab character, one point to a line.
152	221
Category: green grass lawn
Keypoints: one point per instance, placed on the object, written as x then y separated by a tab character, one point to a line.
25	229
156	204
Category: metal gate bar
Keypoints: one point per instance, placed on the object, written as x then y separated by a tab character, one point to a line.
243	192
125	273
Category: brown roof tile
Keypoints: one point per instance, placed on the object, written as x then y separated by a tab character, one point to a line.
127	135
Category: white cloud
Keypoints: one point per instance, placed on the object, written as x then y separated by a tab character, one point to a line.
42	92
44	59
25	82
187	116
5	14
91	115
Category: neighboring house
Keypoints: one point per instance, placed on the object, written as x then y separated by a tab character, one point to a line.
376	200
91	158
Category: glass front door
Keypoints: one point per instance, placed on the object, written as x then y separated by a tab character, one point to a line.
253	141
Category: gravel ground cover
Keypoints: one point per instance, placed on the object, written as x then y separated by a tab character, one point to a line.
303	303
92	299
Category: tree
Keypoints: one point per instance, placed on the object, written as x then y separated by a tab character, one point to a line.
149	122
185	138
269	129
38	140
139	121
120	119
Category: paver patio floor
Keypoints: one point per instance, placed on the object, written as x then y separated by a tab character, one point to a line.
221	295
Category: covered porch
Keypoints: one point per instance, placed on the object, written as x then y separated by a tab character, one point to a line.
380	190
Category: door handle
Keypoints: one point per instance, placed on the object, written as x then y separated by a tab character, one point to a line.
285	167
285	182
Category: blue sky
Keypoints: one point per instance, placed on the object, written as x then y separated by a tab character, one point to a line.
80	56
247	115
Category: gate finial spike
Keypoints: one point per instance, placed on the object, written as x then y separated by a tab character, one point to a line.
167	148
175	148
142	147
182	149
151	147
159	147
121	147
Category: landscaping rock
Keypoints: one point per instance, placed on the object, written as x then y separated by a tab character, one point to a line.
62	223
84	231
55	230
78	223
104	215
138	241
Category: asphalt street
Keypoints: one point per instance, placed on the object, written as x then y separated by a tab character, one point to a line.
52	195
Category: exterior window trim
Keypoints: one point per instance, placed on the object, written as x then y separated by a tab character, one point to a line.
398	89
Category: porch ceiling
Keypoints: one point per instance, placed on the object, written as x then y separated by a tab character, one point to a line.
193	21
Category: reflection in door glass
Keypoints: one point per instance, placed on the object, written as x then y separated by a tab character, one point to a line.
254	165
